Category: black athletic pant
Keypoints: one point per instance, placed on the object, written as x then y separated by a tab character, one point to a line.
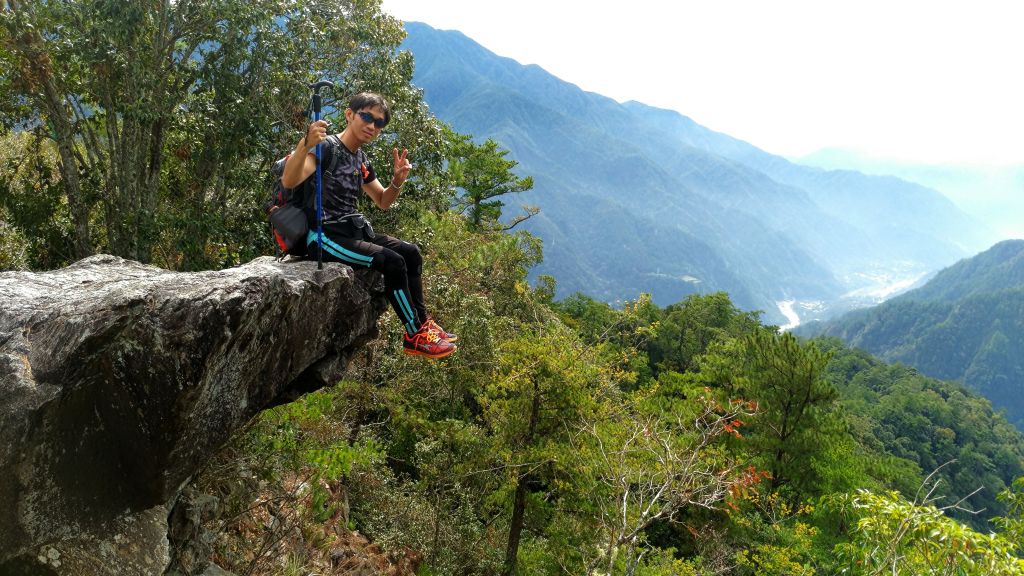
399	261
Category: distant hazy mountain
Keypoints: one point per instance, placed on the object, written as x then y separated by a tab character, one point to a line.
966	323
901	220
993	194
636	199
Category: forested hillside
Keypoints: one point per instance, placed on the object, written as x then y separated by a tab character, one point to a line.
965	324
566	436
574	437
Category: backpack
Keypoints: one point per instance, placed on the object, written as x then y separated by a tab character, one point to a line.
290	210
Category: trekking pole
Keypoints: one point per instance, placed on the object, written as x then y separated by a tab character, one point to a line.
316	104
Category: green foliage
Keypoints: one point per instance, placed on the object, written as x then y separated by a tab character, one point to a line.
482	173
1013	523
590	318
302	433
907	425
35	227
548	444
281	476
795	423
641	467
621	337
542	390
439	519
688	328
779	548
893	536
13	245
996	269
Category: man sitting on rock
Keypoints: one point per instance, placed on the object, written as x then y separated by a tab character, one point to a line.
347	236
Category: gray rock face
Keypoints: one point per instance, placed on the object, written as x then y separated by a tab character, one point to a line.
117	380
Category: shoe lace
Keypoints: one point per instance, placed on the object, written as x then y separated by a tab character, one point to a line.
435	327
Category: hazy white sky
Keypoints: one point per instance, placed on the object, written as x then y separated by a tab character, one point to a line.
928	81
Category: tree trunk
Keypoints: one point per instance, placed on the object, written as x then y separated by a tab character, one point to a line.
205	173
73	188
37	61
519	502
516	527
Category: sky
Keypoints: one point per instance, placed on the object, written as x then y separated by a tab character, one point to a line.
923	81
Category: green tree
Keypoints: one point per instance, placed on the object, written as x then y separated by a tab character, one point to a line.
1013	523
644	466
483	174
35	226
542	389
688	328
794	424
591	319
905	423
894	536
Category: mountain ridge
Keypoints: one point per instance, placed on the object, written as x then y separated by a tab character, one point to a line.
769	236
986	191
965	324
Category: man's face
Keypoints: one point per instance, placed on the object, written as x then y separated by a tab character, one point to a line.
366	124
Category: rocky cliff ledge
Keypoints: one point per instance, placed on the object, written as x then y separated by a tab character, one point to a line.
118	380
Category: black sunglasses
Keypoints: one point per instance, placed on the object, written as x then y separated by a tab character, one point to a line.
380	123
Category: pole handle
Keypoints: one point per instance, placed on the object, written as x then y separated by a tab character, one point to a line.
317	101
316	104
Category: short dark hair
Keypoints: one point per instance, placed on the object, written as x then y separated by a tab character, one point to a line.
370	100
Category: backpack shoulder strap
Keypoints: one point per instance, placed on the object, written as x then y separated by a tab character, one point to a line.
277	169
330	153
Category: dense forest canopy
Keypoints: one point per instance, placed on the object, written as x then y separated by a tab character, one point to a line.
563	437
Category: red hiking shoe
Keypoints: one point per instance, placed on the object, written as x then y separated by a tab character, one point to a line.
430	324
427	343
